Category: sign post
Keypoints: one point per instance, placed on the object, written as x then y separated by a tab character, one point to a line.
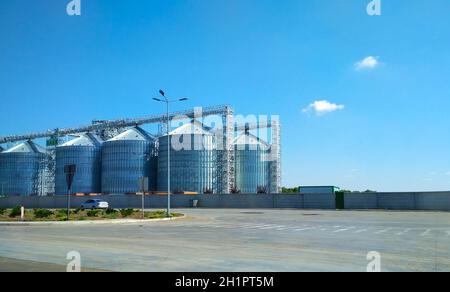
143	187
69	170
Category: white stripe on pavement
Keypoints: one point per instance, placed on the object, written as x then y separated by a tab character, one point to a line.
344	229
383	231
272	227
360	230
426	232
404	231
306	228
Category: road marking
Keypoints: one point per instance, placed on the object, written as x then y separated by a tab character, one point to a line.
306	228
426	232
344	229
382	231
273	227
267	226
243	225
256	226
404	231
360	230
337	226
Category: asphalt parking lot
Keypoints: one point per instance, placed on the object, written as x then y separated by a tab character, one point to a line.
234	240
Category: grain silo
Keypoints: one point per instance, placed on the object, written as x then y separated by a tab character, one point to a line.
252	164
21	169
193	160
126	158
85	152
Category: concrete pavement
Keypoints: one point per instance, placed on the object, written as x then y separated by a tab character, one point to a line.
244	240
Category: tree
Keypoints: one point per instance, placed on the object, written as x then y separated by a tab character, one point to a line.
285	190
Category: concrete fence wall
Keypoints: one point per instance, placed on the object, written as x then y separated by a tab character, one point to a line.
438	201
313	201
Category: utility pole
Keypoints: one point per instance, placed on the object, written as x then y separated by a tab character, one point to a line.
168	101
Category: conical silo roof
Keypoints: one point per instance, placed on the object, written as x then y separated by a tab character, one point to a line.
87	139
26	147
193	128
133	134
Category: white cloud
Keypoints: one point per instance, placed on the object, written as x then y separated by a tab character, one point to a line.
321	107
447	173
370	62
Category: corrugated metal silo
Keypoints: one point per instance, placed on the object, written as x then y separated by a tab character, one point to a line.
252	164
86	153
193	160
126	158
21	169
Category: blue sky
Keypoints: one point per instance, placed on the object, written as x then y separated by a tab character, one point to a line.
389	128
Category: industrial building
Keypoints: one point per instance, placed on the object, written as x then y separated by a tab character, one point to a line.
126	158
194	165
21	169
86	152
252	164
111	157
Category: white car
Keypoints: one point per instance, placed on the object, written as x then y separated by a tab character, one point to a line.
94	204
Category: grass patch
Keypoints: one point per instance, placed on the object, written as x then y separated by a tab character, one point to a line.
42	213
80	215
15	212
92	213
126	212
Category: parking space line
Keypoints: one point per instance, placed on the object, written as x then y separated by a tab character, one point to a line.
304	229
272	227
255	226
266	226
344	229
382	231
426	232
404	231
360	230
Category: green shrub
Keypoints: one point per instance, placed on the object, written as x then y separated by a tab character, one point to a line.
110	211
92	213
2	211
111	216
15	212
42	213
126	212
61	213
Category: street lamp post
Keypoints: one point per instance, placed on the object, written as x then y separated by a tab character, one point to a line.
168	101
